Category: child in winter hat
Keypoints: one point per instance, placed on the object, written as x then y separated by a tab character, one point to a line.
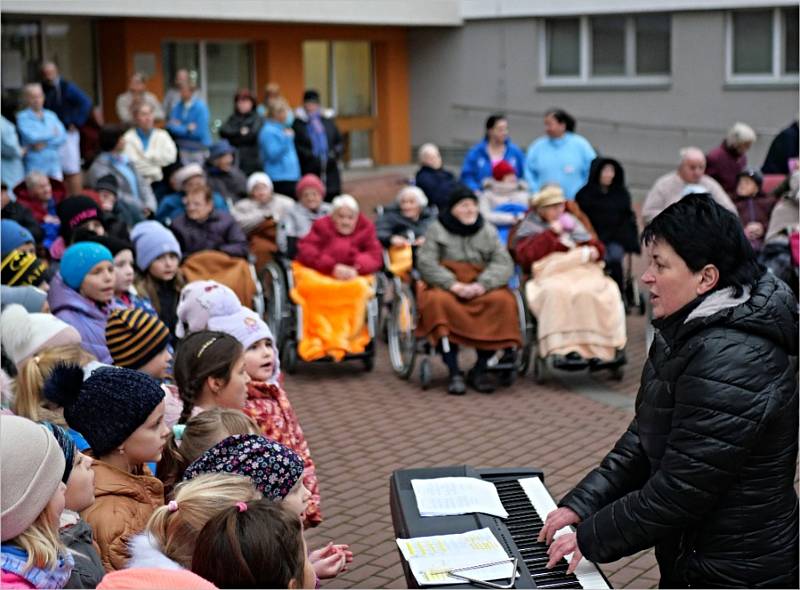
22	269
138	340
31	500
76	534
277	472
120	412
202	300
15	237
23	334
157	256
79	259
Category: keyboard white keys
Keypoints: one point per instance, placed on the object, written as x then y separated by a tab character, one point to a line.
542	501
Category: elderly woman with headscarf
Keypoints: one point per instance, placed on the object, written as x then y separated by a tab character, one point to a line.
578	308
333	281
260	214
402	226
465	298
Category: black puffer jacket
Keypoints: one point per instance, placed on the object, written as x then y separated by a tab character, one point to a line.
393	223
705	470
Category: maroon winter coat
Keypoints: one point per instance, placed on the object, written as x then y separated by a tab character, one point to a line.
759	209
324	247
723	164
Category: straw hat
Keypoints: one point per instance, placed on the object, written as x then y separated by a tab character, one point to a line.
549	195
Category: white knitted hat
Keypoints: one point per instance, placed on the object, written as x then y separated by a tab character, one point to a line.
26	334
31	466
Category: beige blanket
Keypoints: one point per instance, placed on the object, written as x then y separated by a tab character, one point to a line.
577	307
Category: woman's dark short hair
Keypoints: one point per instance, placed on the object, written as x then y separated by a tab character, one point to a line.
109	136
702	232
493	119
562	117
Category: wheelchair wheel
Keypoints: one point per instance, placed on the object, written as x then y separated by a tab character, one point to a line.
425	372
276	294
289	356
400	330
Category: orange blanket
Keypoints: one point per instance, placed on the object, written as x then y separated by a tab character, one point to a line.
334	313
577	307
229	270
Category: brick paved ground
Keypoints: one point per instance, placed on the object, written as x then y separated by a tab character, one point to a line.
362	426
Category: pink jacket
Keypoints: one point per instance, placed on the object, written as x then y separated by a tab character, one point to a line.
11	580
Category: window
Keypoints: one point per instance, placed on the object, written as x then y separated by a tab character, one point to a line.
762	45
612	48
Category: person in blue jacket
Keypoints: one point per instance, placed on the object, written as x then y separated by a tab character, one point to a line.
12	170
184	180
41	133
276	144
73	107
188	125
561	157
496	146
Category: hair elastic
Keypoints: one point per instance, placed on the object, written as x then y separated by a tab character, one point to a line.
177	431
242	506
172	506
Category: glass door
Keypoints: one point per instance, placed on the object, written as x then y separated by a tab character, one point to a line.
218	68
342	72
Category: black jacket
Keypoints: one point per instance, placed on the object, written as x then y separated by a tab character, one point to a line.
436	184
610	212
310	164
705	471
393	223
242	132
781	150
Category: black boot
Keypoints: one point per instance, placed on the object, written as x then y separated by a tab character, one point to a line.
480	381
456	385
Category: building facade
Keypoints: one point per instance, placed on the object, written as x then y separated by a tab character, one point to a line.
642	78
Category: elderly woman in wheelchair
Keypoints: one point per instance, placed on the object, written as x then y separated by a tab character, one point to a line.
463	298
580	316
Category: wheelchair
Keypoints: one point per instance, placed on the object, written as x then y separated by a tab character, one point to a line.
405	347
285	318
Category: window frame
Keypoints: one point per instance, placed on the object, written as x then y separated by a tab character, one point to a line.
776	77
585	78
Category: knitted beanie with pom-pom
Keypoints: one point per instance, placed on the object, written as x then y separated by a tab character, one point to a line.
106	408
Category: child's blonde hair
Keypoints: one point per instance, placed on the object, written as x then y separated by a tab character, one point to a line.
175	527
33	372
41	542
200	433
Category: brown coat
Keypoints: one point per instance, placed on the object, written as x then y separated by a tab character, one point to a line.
123	505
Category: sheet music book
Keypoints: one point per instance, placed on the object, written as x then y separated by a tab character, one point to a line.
430	558
447	496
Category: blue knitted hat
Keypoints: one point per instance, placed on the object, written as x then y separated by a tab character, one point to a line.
12	236
79	259
106	408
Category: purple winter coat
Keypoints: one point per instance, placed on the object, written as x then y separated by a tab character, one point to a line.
219	231
723	164
82	314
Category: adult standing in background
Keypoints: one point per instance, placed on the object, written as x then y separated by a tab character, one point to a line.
149	148
782	149
173	94
727	160
277	148
690	177
12	170
137	93
41	134
242	129
188	125
73	108
318	143
561	157
432	177
495	146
